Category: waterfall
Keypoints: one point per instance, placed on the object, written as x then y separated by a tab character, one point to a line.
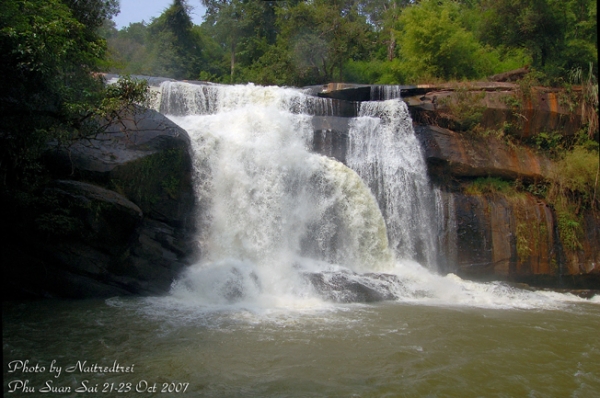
283	227
384	151
385	92
179	99
273	214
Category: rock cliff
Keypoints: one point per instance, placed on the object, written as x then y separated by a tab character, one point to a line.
490	235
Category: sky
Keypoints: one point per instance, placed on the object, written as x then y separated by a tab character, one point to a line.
138	10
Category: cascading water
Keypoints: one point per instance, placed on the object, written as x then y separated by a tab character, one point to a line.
385	152
273	214
281	226
385	92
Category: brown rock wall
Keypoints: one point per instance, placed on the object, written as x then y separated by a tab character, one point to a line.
450	153
498	236
502	237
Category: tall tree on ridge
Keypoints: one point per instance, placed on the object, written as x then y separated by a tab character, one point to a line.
175	47
246	28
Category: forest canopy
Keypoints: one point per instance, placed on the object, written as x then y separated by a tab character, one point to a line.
53	51
296	42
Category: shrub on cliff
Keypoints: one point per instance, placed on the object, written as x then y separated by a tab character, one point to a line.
576	176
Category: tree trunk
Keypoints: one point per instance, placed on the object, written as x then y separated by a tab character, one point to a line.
232	60
391	46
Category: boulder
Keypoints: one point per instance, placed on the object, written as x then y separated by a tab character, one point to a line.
350	287
118	219
146	157
104	219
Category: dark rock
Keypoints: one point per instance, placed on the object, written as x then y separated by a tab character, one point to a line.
141	133
349	287
147	158
331	136
351	92
122	223
108	220
68	243
347	92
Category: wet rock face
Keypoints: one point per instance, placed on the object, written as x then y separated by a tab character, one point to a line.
502	236
117	221
498	236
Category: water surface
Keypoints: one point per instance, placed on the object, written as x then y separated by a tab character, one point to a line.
388	349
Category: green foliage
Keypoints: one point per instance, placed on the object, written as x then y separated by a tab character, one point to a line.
305	42
589	98
274	67
435	44
128	49
374	72
574	186
569	227
558	35
320	37
577	174
50	91
123	97
490	185
522	240
175	48
48	60
243	29
93	13
551	143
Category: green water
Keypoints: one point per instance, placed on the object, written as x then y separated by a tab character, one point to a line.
382	350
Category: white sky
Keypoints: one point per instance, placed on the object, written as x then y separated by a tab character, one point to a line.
138	10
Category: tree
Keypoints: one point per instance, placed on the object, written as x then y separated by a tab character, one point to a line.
434	44
321	36
244	30
49	91
92	13
383	16
128	49
175	47
581	36
537	25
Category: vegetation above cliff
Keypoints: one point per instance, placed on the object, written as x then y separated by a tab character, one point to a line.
361	41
